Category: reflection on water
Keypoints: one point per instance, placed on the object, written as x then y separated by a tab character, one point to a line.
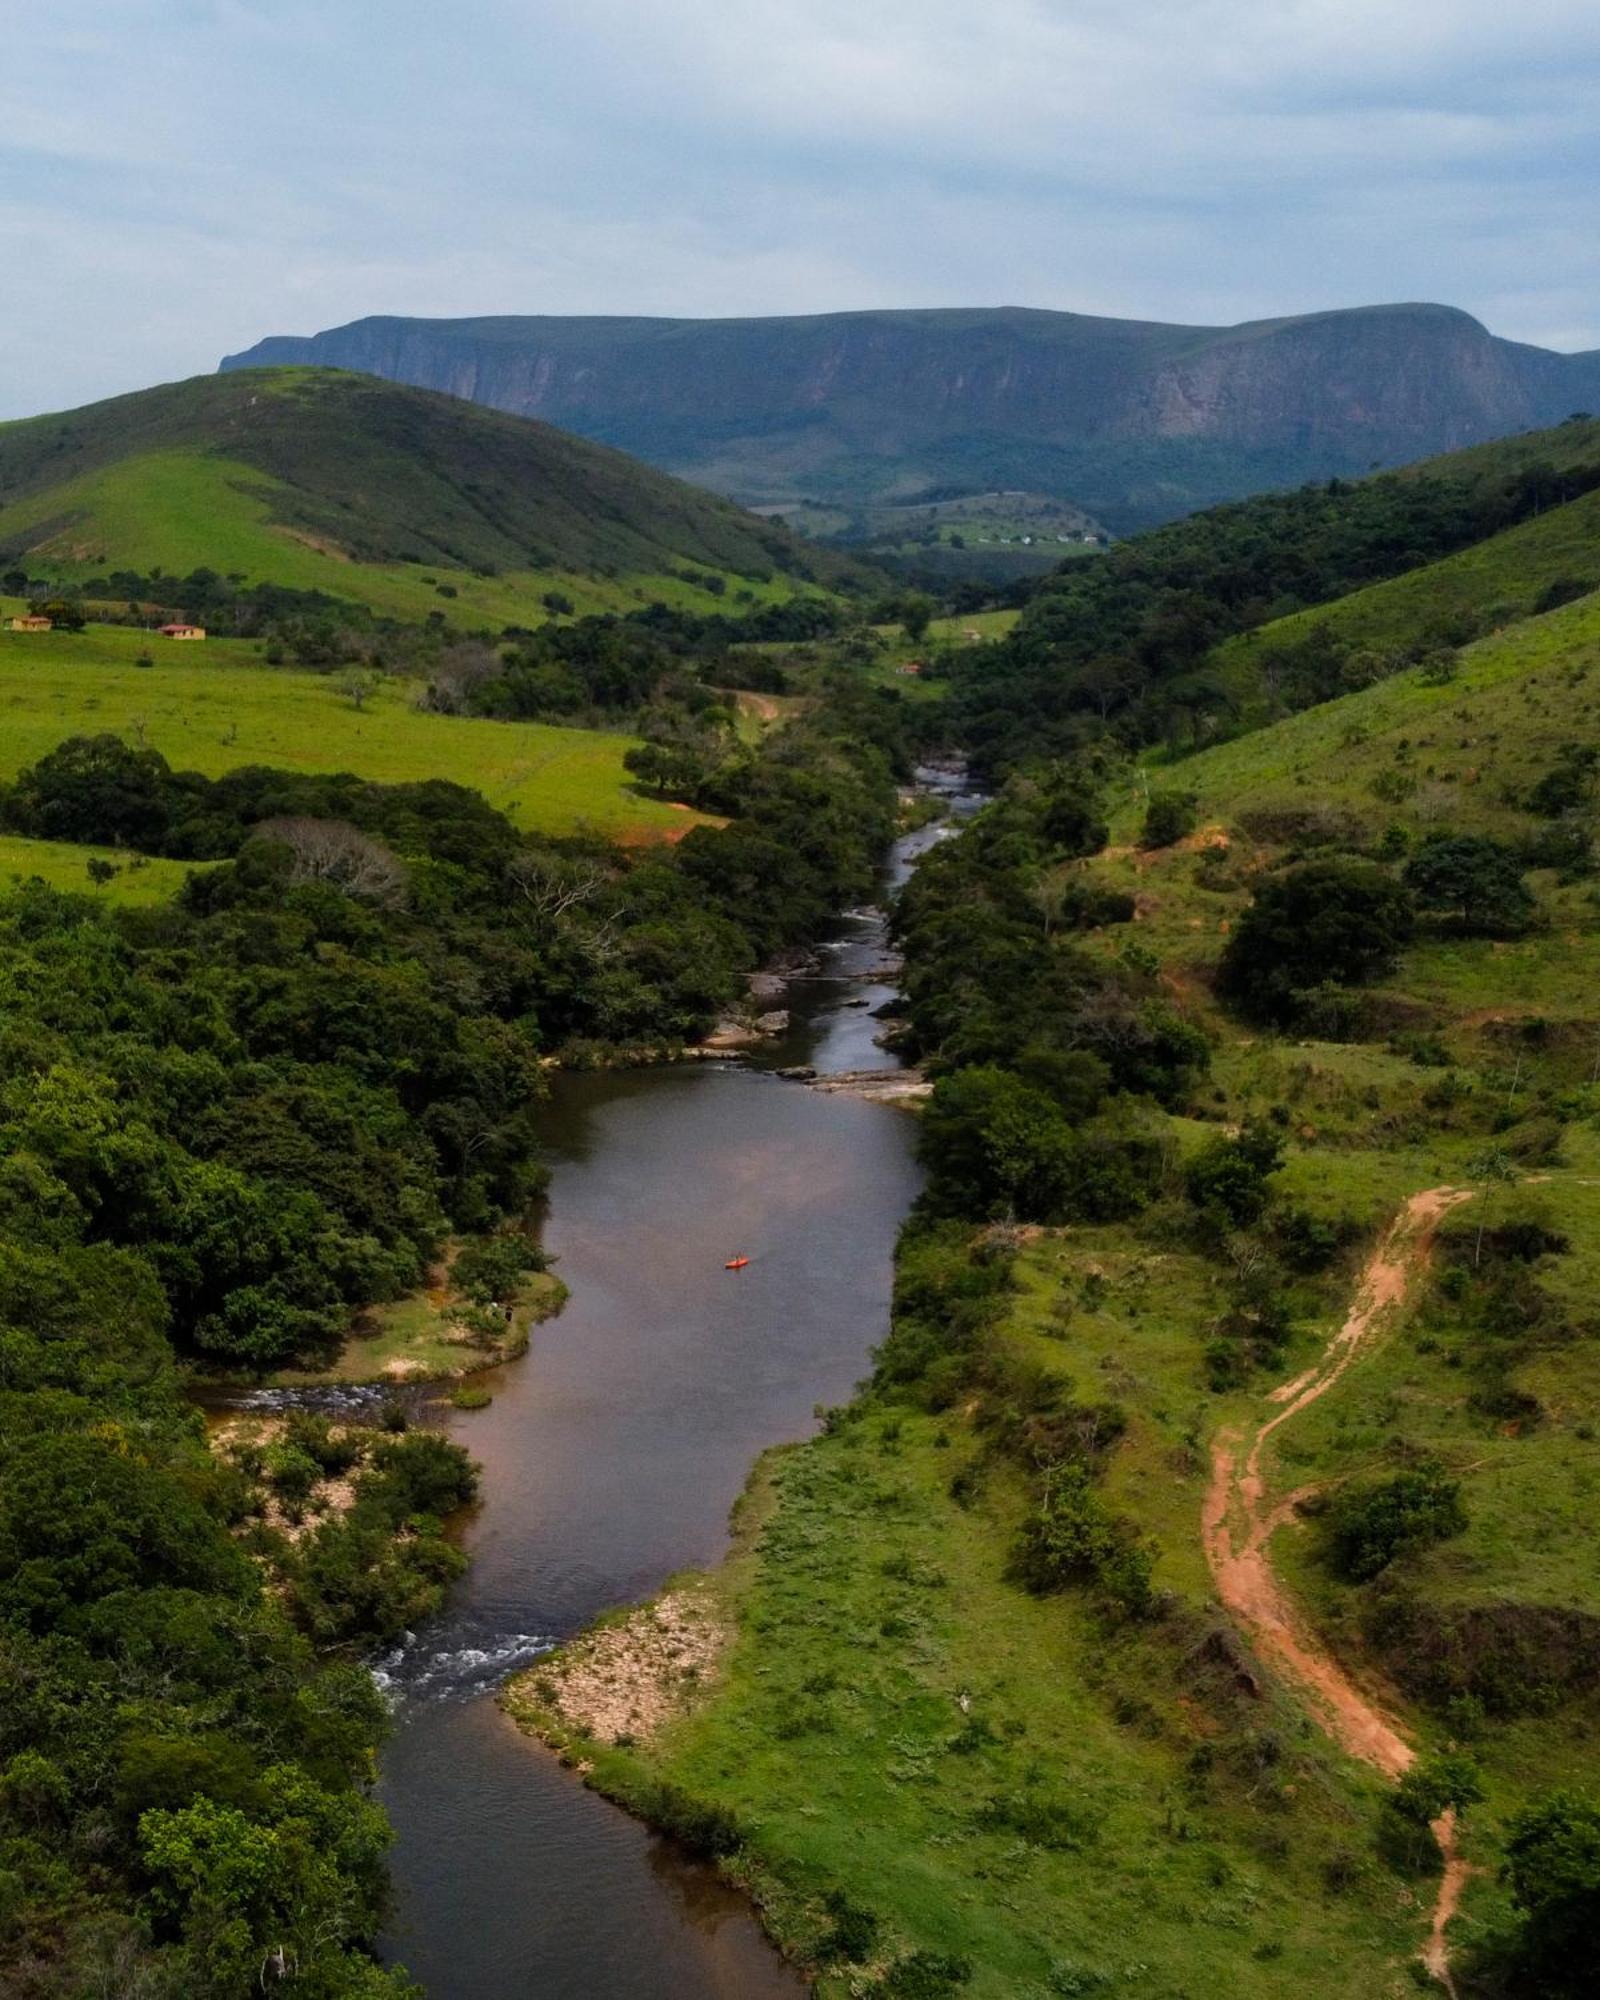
611	1457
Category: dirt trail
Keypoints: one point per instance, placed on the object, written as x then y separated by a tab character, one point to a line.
1238	1526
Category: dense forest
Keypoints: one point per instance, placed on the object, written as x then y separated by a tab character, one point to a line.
229	1123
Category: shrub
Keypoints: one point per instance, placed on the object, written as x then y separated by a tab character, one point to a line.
1372	1525
1168	817
1073	1537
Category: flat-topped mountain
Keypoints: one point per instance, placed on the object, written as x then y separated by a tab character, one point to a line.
1134	420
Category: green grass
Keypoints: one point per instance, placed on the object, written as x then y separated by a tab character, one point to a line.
61	865
887	1684
1499	580
413	1340
213	708
987	624
396	498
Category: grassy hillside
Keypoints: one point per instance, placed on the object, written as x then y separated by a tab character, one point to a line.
1424	746
1495	582
1229	617
215	708
138	879
395	498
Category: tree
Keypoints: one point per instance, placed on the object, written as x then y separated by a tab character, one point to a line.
1553	1864
64	613
1473	880
1443	1783
331	850
916	615
99	789
1168	817
358	685
1229	1176
996	1146
461	675
1337	922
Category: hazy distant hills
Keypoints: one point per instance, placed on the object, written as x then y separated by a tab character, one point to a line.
1133	420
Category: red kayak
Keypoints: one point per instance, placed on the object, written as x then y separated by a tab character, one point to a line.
736	1263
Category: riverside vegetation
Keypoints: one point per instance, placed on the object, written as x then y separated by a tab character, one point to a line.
989	1713
233	1121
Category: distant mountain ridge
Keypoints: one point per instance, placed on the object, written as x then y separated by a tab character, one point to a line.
1134	420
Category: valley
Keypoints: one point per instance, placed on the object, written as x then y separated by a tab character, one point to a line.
1195	1591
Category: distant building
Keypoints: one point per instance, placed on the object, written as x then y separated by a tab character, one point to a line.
911	667
31	622
183	631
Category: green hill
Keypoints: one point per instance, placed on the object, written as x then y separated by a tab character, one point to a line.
1464	739
1232	616
398	499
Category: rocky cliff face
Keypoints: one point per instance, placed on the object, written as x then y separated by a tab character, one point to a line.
1134	420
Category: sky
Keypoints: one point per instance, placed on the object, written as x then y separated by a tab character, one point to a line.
179	178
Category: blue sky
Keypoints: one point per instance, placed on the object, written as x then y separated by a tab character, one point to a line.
179	177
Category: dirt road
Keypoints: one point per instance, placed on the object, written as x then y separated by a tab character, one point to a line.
1238	1525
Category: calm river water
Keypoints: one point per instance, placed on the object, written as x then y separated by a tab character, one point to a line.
611	1457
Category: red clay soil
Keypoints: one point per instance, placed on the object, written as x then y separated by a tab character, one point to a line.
1238	1525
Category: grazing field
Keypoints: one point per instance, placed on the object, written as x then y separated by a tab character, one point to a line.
62	865
1492	583
215	707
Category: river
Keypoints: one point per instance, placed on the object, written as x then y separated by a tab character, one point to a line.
611	1456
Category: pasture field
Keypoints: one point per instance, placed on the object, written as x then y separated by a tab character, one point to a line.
1494	583
62	865
213	707
180	511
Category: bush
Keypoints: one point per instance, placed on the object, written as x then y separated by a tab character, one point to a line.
1372	1525
1074	1538
1168	817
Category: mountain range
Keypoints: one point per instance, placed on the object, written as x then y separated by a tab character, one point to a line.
1135	421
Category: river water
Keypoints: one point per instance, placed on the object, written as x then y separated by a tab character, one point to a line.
611	1456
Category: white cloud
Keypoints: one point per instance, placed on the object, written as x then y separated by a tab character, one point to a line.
178	177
